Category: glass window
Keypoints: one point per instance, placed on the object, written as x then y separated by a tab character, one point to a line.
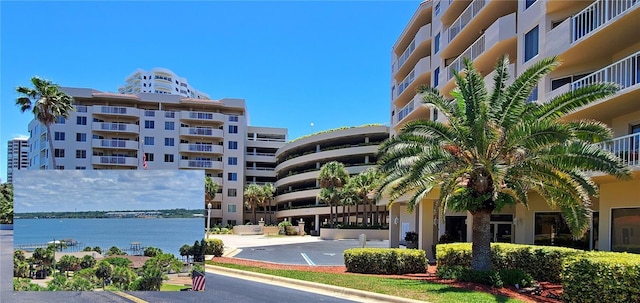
58	136
233	144
625	229
231	208
169	125
60	120
148	156
59	153
149	124
81	120
168	157
232	192
81	137
534	95
551	229
233	118
528	3
233	161
437	9
149	113
81	154
437	43
81	167
149	140
531	44
232	176
169	141
436	77
233	129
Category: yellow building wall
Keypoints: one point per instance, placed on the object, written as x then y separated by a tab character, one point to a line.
623	194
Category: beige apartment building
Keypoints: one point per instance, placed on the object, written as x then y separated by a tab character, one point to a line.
299	163
17	156
162	131
596	41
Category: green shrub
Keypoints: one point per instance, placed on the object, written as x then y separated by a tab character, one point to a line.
449	272
494	278
225	230
488	277
214	247
216	230
515	276
543	263
385	260
601	277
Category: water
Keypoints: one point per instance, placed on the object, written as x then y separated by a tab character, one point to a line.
168	234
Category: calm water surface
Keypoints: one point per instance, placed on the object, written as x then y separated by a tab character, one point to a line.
166	234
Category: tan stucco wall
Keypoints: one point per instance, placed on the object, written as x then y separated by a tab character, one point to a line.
615	195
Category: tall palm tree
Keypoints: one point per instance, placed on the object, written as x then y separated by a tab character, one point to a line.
496	148
268	190
6	203
333	177
210	190
48	103
252	194
363	186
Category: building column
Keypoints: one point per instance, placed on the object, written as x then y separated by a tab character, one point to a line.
394	226
317	225
427	230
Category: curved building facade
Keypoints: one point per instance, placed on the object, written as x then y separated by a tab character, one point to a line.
160	81
299	163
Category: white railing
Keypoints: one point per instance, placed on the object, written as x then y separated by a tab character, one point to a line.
200	163
405	83
113	143
405	111
597	15
262	154
81	108
466	17
199	115
472	53
261	168
113	159
626	148
200	131
407	52
625	73
113	110
201	147
113	126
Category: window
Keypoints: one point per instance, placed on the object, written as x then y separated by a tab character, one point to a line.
59	153
168	158
169	125
534	95
58	136
625	229
437	44
531	44
232	192
149	140
233	161
436	77
149	113
233	144
528	3
81	137
233	129
81	167
60	120
169	114
551	229
149	156
81	120
169	142
437	9
231	208
435	114
60	167
232	176
233	118
81	154
149	124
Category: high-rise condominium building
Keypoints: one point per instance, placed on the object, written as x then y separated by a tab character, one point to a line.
595	40
17	156
160	131
159	81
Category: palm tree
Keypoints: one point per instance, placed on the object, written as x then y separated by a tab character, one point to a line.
252	193
6	203
362	186
267	196
496	148
48	103
333	177
210	190
68	262
103	271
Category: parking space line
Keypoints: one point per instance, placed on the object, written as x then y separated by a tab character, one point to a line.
130	297
306	258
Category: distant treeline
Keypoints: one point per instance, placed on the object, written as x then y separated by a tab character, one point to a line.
165	213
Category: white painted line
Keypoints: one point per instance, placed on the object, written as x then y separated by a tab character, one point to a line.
306	258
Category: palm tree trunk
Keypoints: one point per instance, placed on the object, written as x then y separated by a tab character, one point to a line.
377	215
481	247
371	211
331	215
51	151
253	210
269	211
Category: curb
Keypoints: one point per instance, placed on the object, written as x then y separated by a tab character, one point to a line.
318	286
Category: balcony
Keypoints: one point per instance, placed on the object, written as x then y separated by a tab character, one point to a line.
115	111
115	127
202	164
201	148
626	148
119	144
202	116
415	109
423	35
202	132
260	157
114	160
465	18
260	172
419	72
597	15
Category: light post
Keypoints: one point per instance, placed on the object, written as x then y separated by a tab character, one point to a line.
208	218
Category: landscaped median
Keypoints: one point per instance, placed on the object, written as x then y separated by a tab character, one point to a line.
585	276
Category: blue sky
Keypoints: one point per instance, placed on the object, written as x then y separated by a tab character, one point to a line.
107	190
294	62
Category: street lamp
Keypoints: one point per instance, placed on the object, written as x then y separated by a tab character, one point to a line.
208	218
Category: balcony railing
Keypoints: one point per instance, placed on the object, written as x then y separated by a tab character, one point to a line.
597	15
625	73
113	110
478	47
405	111
472	10
626	148
200	147
81	108
117	160
261	168
113	126
113	143
407	52
199	163
200	131
405	83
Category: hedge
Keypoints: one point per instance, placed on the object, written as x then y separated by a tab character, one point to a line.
601	277
543	263
385	260
214	247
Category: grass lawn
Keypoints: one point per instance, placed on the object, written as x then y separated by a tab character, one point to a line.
414	289
171	287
